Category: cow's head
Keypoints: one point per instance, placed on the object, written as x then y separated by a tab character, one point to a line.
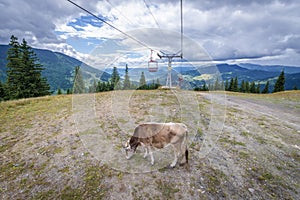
130	147
128	150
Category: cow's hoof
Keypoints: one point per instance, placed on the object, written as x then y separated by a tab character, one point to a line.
172	166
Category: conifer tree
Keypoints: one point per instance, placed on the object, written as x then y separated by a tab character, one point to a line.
142	84
2	91
34	84
204	87
115	79
279	85
235	85
243	87
24	74
252	87
217	84
69	91
266	88
93	87
126	85
13	68
247	86
59	91
226	85
230	87
78	87
258	88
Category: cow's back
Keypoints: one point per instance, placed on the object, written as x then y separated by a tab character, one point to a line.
160	134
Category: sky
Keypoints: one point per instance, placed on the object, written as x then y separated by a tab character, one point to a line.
233	31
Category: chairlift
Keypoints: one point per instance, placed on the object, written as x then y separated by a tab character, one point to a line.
152	64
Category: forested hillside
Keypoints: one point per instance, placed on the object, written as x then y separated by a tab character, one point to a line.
59	68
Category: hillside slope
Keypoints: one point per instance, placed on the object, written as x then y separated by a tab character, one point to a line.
59	68
69	147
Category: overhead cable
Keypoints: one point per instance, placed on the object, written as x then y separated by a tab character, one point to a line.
112	26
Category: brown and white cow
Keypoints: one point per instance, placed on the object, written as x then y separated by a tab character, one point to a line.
159	135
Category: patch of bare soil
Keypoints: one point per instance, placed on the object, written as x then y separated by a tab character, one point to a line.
70	147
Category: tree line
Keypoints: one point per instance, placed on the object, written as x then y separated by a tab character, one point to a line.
115	83
25	80
245	86
24	73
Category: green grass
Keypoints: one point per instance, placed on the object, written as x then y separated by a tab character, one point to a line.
167	189
232	141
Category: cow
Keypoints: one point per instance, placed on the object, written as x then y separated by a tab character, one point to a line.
159	135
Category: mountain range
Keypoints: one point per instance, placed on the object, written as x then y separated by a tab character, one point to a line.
60	68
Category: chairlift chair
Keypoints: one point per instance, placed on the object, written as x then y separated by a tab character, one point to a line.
152	64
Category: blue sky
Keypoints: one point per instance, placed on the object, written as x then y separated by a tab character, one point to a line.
264	32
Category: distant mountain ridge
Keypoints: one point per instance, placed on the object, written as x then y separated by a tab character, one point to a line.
271	68
59	71
247	72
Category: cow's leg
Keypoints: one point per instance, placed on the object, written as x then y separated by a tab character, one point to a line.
182	153
176	154
151	156
146	151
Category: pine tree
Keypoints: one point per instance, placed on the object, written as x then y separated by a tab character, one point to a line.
78	87
13	68
235	85
252	87
266	88
69	91
2	91
115	79
142	84
279	85
34	84
243	87
226	85
204	87
217	84
93	87
258	88
24	78
59	91
126	85
247	86
230	87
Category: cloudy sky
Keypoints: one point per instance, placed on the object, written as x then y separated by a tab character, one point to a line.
256	31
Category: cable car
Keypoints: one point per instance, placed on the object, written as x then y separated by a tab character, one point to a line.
152	64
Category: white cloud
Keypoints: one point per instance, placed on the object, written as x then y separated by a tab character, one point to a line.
225	29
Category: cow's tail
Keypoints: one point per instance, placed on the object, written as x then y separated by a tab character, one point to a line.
186	148
187	156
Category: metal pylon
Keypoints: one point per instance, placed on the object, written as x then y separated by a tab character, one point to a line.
170	57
